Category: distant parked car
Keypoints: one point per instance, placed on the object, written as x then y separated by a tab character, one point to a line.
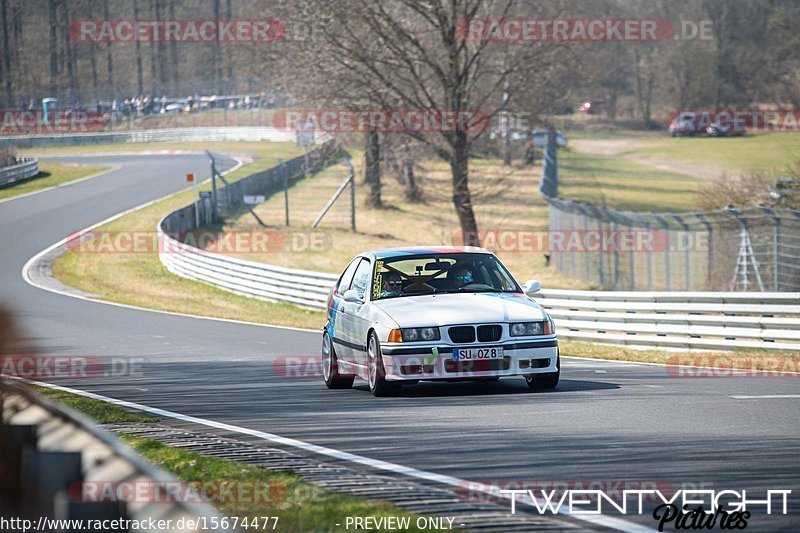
726	128
173	107
679	127
786	192
403	315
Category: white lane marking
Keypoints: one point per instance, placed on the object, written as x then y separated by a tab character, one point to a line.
611	522
66	184
766	396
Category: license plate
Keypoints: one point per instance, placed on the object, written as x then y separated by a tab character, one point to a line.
477	354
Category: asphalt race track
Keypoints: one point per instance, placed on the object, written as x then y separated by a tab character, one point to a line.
606	422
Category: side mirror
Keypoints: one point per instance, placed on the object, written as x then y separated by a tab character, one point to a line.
352	296
531	286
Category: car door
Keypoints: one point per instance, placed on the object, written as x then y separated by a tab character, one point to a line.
336	315
356	320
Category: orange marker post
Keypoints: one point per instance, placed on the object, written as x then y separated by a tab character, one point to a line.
190	178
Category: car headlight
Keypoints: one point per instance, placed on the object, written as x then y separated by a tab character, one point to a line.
523	329
420	334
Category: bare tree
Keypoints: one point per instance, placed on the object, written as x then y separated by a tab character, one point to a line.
138	48
414	54
399	154
6	66
372	167
92	52
69	55
52	6
154	86
215	56
175	67
109	57
161	50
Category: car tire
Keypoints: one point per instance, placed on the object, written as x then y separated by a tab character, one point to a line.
545	381
330	367
378	385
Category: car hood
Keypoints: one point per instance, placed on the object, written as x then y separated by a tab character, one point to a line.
446	309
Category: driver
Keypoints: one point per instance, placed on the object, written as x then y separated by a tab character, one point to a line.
462	277
392	285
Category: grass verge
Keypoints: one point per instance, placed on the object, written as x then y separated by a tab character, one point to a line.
102	412
770	154
50	175
619	183
299	505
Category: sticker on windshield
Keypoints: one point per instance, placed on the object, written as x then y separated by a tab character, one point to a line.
378	281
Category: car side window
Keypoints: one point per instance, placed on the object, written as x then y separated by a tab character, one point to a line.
347	276
361	277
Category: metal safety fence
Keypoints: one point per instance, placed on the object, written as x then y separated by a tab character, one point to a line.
230	200
753	249
749	249
26	168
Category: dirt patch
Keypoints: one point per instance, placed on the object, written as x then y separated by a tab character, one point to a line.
623	147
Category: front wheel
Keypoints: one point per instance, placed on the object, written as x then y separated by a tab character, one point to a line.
377	374
545	381
330	367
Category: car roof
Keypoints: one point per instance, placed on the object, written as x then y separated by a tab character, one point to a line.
422	250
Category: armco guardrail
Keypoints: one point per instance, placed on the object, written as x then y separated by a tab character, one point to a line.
690	320
48	453
233	133
27	168
694	320
259	280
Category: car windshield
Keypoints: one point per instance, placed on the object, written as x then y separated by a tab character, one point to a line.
440	273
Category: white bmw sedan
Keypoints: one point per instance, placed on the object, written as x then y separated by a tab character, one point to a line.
408	314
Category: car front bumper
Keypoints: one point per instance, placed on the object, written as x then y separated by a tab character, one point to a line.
406	362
